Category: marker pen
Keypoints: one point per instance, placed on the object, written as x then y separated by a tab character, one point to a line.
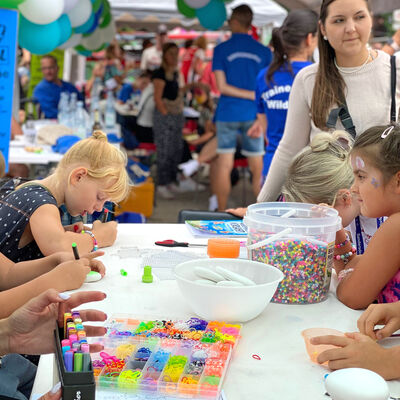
79	327
84	348
85	362
77	362
73	338
75	346
105	215
69	360
65	349
75	250
77	321
65	342
67	316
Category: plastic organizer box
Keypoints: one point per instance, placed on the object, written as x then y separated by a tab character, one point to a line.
173	358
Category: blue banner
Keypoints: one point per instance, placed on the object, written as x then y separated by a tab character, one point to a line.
8	48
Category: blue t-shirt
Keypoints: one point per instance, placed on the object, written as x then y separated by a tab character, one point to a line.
48	95
272	100
241	58
125	92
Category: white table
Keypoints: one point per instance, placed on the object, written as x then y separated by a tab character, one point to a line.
18	154
284	371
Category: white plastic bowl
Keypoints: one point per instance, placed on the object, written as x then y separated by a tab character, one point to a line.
230	304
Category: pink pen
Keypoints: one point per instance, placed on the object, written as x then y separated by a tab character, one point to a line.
85	348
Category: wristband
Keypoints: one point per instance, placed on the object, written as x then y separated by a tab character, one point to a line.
342	244
95	244
345	257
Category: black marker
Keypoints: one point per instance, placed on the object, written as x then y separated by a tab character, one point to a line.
75	250
105	215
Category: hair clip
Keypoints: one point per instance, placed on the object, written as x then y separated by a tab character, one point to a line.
344	143
387	132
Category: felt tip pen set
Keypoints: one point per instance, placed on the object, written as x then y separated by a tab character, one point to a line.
73	359
184	359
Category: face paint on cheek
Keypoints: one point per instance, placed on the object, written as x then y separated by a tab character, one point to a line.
374	183
360	164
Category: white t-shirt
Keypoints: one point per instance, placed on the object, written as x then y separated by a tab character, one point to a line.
151	58
362	229
146	107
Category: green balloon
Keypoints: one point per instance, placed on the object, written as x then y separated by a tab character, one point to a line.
10	3
105	21
102	47
96	5
184	9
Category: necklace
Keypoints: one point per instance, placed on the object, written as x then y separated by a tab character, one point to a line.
352	70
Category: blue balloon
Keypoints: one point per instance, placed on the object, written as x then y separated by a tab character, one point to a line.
86	26
213	15
99	11
38	39
65	28
95	24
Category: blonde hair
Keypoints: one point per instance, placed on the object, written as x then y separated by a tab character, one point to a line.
201	42
104	161
320	170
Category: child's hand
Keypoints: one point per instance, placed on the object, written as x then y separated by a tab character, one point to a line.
63	256
105	233
380	314
357	351
73	273
77	227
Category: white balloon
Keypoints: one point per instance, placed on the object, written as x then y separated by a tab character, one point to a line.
196	3
93	41
41	12
69	5
80	13
108	33
73	41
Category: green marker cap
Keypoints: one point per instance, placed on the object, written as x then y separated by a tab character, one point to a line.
123	272
147	275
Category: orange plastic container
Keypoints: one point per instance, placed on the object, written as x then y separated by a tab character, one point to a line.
223	248
140	199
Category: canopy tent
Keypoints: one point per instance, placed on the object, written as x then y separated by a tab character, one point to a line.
149	13
378	6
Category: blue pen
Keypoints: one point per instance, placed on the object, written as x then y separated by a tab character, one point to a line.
69	361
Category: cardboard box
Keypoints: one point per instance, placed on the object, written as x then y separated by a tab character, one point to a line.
139	200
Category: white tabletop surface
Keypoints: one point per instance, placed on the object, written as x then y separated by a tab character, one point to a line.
284	371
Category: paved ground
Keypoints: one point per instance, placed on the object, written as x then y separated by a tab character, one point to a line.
166	211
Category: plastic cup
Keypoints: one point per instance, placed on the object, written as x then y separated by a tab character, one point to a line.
223	248
315	350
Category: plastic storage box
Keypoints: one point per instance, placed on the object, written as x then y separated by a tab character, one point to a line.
303	250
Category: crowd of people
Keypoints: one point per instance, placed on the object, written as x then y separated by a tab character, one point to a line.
323	132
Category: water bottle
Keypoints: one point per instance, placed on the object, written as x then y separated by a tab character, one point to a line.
62	114
72	110
110	117
80	121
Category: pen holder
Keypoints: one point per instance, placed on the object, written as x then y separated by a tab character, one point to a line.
75	385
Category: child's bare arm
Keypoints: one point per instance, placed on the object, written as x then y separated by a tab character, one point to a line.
51	237
67	276
374	269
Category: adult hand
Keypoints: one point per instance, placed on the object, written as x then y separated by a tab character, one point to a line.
356	350
239	212
256	130
380	314
30	328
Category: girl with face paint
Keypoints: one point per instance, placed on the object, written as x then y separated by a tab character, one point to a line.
375	275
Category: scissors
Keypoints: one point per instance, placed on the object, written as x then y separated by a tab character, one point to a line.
174	243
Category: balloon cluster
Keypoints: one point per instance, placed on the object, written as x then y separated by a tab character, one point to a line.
210	13
48	24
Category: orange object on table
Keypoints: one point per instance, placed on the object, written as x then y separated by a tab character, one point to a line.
223	248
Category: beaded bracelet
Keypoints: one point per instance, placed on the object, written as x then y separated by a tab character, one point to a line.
342	244
345	256
95	244
344	272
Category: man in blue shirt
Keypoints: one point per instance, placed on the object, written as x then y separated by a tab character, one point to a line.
236	64
47	92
